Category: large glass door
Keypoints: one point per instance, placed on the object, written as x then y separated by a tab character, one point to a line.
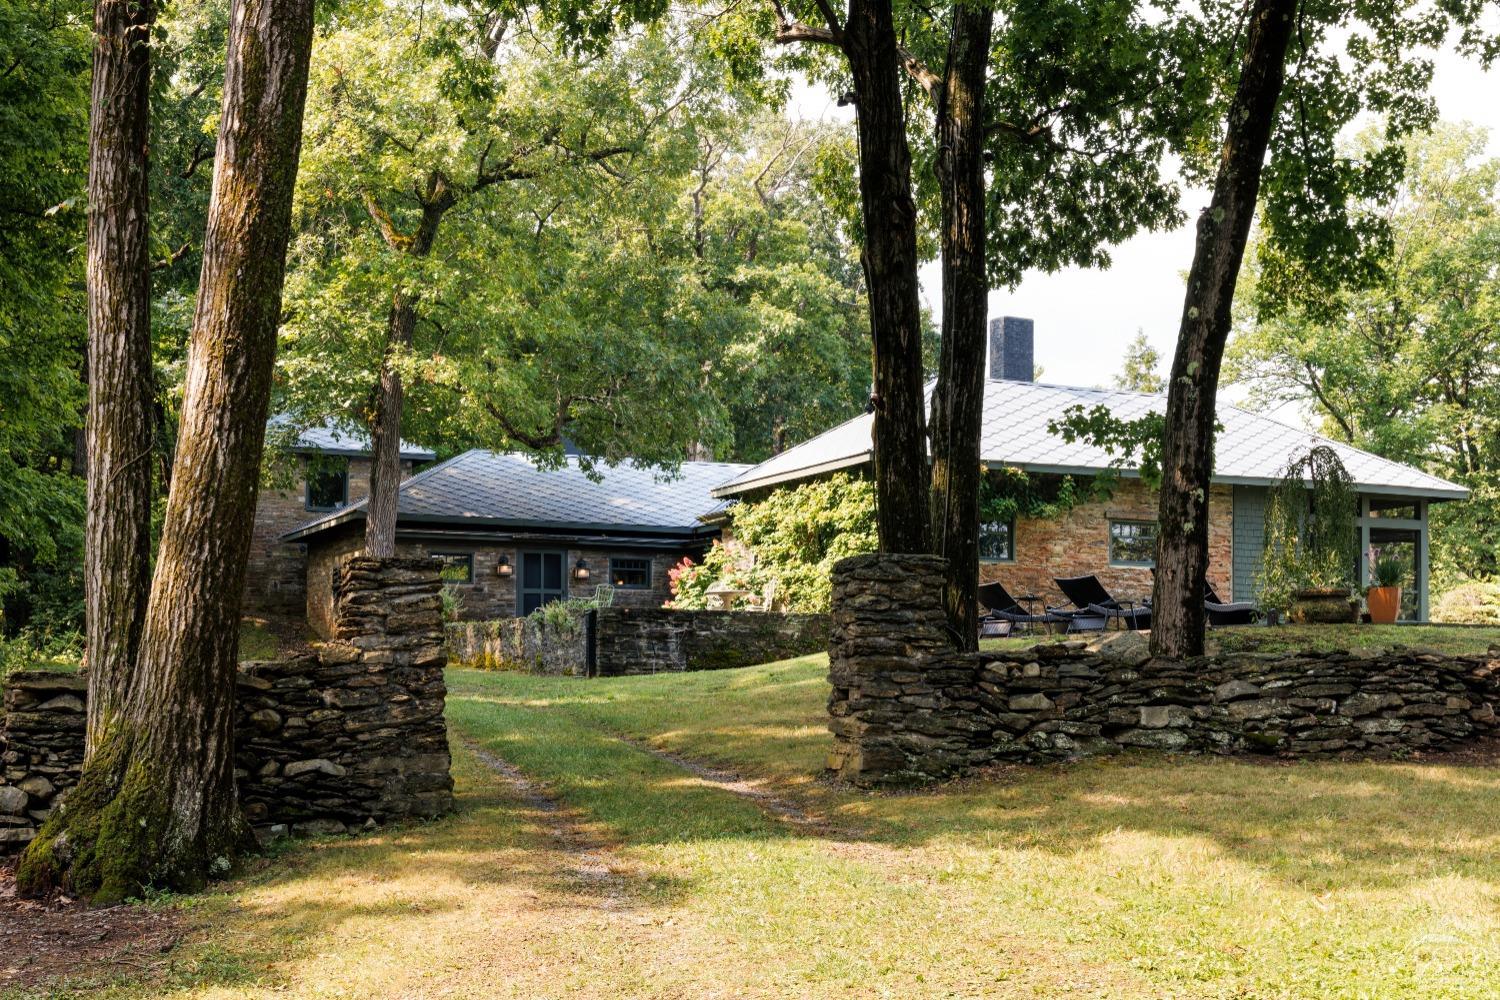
543	580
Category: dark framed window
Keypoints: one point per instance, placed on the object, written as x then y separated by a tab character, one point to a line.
1132	543
327	485
630	574
458	567
997	541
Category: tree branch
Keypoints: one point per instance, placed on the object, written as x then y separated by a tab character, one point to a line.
790	32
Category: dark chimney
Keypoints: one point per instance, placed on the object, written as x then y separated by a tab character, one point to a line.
1011	349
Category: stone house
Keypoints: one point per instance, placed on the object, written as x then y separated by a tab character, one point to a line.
514	535
313	471
1115	538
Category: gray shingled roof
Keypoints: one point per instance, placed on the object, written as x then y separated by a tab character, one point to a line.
334	438
1252	448
507	490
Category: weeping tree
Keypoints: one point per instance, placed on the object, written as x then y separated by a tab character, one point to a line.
1311	540
155	804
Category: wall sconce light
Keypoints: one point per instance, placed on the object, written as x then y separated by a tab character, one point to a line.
581	570
503	568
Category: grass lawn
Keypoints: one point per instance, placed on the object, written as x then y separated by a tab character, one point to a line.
612	871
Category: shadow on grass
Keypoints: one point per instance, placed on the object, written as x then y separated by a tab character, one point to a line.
1323	825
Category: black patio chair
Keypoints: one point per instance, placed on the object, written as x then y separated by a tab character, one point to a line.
1094	608
1222	613
1003	610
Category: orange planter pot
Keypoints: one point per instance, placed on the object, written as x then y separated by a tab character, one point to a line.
1385	604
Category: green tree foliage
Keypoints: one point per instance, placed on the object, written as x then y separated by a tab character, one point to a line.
1404	365
44	75
625	265
1141	371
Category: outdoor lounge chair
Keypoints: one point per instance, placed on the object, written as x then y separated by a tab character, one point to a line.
1093	607
1220	613
1004	613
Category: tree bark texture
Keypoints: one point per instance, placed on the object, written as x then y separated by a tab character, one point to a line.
1223	229
156	802
890	259
389	395
117	556
958	398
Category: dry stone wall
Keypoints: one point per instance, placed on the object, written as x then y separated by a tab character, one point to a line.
906	709
347	736
41	749
662	640
614	641
522	644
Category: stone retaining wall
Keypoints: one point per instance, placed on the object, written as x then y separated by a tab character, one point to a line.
906	709
349	735
520	644
638	641
661	640
41	749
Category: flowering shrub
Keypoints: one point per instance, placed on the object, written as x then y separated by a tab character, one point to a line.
730	565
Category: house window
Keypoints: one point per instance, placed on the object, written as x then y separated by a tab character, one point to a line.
1132	543
458	567
327	486
630	574
997	541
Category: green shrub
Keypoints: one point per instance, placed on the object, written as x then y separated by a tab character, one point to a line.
32	650
1473	603
796	535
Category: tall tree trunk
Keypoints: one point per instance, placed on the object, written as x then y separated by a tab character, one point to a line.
389	394
1223	229
156	802
958	398
385	434
890	257
117	555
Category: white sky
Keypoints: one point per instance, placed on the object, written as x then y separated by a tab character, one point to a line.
1085	317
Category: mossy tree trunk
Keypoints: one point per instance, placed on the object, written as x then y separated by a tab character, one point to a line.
958	398
1223	229
156	802
117	556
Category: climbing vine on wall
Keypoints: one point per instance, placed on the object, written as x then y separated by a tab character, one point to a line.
1007	493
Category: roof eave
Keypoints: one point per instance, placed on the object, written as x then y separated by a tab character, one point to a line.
833	465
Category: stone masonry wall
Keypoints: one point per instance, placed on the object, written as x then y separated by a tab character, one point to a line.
41	749
657	640
520	644
351	734
639	641
1077	542
905	709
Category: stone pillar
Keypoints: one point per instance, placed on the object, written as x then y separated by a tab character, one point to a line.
41	748
903	709
354	733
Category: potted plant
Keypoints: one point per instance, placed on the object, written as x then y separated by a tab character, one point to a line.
1324	596
1384	594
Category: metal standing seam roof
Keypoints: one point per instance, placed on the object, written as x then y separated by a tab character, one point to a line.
334	438
1252	448
508	490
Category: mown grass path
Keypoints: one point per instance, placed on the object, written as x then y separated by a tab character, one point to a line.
668	837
